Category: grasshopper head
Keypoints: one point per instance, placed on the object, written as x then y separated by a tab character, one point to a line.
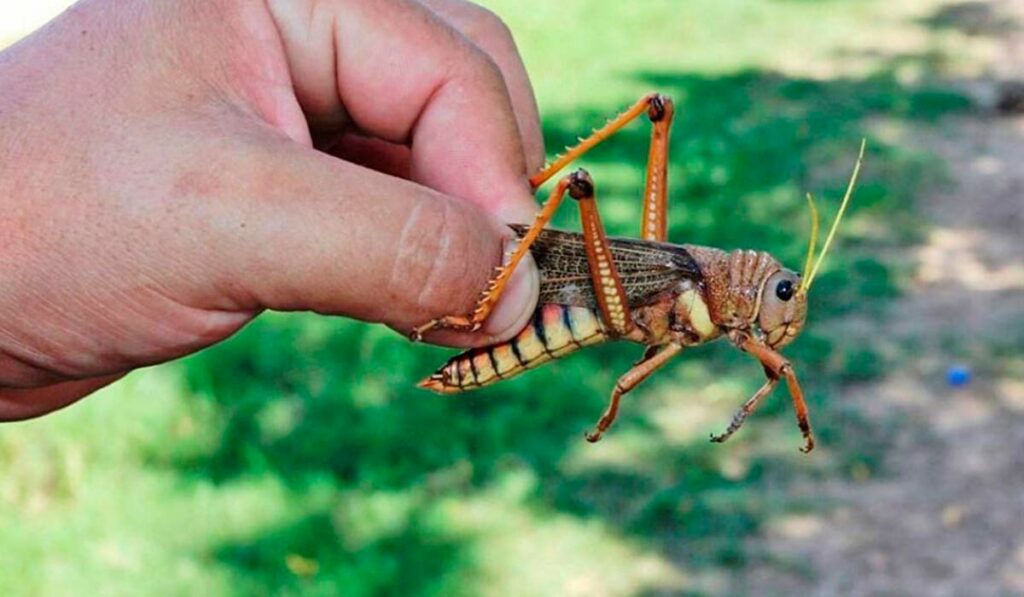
783	309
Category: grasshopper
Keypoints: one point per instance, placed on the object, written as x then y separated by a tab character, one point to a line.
665	296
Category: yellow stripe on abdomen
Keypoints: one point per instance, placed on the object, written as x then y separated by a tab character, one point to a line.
554	331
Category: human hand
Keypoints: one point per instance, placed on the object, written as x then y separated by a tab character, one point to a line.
164	177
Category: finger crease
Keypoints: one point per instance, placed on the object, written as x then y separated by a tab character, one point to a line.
440	258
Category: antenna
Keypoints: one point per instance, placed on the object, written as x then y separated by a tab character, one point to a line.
806	284
811	245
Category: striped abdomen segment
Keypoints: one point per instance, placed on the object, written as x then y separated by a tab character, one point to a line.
554	331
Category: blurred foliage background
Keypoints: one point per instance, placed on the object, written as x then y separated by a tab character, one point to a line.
298	458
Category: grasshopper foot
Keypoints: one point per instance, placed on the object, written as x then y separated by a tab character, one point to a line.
602	425
452	322
734	426
720	438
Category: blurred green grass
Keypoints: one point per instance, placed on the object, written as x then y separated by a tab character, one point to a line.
298	458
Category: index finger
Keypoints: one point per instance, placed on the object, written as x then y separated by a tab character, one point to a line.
400	73
490	34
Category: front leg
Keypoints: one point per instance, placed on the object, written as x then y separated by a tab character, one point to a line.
747	409
776	366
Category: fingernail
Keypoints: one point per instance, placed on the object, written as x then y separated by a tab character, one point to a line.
520	210
518	301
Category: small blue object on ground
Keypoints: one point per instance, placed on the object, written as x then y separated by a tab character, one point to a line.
958	376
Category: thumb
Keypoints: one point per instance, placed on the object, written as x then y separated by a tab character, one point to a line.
325	235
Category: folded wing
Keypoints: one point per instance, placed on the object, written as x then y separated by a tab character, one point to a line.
647	268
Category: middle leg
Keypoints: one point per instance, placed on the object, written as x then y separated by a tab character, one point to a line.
627	382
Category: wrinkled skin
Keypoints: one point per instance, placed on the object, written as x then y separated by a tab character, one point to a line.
166	174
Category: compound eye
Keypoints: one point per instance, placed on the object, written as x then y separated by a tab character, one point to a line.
784	290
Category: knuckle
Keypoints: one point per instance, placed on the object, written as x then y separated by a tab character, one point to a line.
485	69
435	270
487	27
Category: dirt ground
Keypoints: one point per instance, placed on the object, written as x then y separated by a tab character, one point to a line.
945	513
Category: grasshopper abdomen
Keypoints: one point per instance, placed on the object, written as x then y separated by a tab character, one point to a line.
554	331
